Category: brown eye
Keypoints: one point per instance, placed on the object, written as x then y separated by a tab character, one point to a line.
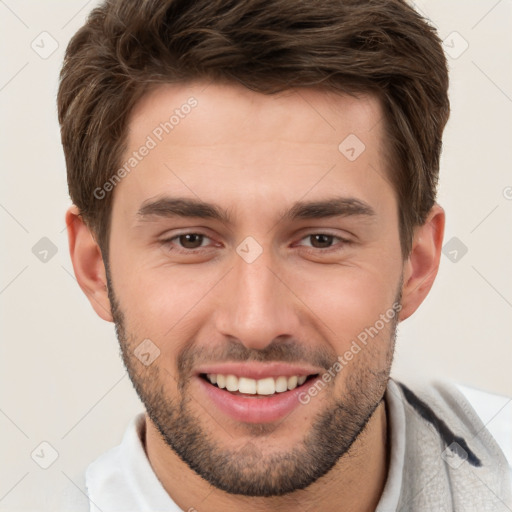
321	241
191	240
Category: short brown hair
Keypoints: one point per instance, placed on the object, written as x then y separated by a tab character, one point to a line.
382	47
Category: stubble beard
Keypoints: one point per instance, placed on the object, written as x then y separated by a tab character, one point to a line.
248	470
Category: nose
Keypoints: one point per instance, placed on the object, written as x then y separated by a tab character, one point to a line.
256	305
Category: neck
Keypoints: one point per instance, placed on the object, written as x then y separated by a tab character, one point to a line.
355	483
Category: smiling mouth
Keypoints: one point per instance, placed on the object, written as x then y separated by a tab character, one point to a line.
255	388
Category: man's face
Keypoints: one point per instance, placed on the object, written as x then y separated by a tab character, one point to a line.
276	286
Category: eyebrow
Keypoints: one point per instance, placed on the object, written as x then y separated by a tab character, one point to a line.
335	207
182	207
168	207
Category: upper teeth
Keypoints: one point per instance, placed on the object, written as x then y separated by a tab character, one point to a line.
267	386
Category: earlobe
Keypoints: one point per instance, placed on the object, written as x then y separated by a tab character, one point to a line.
421	267
88	263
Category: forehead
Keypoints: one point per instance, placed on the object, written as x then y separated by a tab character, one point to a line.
223	109
224	141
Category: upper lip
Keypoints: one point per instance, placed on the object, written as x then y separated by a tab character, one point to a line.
257	371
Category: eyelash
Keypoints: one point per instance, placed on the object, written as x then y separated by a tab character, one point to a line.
333	248
200	250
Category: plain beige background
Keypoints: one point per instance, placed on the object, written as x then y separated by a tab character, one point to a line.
61	378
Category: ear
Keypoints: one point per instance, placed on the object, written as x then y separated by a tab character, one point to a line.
88	263
421	267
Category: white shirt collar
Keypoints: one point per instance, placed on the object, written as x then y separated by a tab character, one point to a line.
122	479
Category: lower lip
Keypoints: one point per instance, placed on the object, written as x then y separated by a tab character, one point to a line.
252	409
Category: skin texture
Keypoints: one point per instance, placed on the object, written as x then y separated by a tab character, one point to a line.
255	156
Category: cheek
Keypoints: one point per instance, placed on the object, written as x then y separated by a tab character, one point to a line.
162	304
348	300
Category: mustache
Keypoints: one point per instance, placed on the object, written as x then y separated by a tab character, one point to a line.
279	350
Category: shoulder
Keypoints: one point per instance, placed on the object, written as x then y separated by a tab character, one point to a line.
107	472
72	496
495	412
477	414
449	454
450	410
